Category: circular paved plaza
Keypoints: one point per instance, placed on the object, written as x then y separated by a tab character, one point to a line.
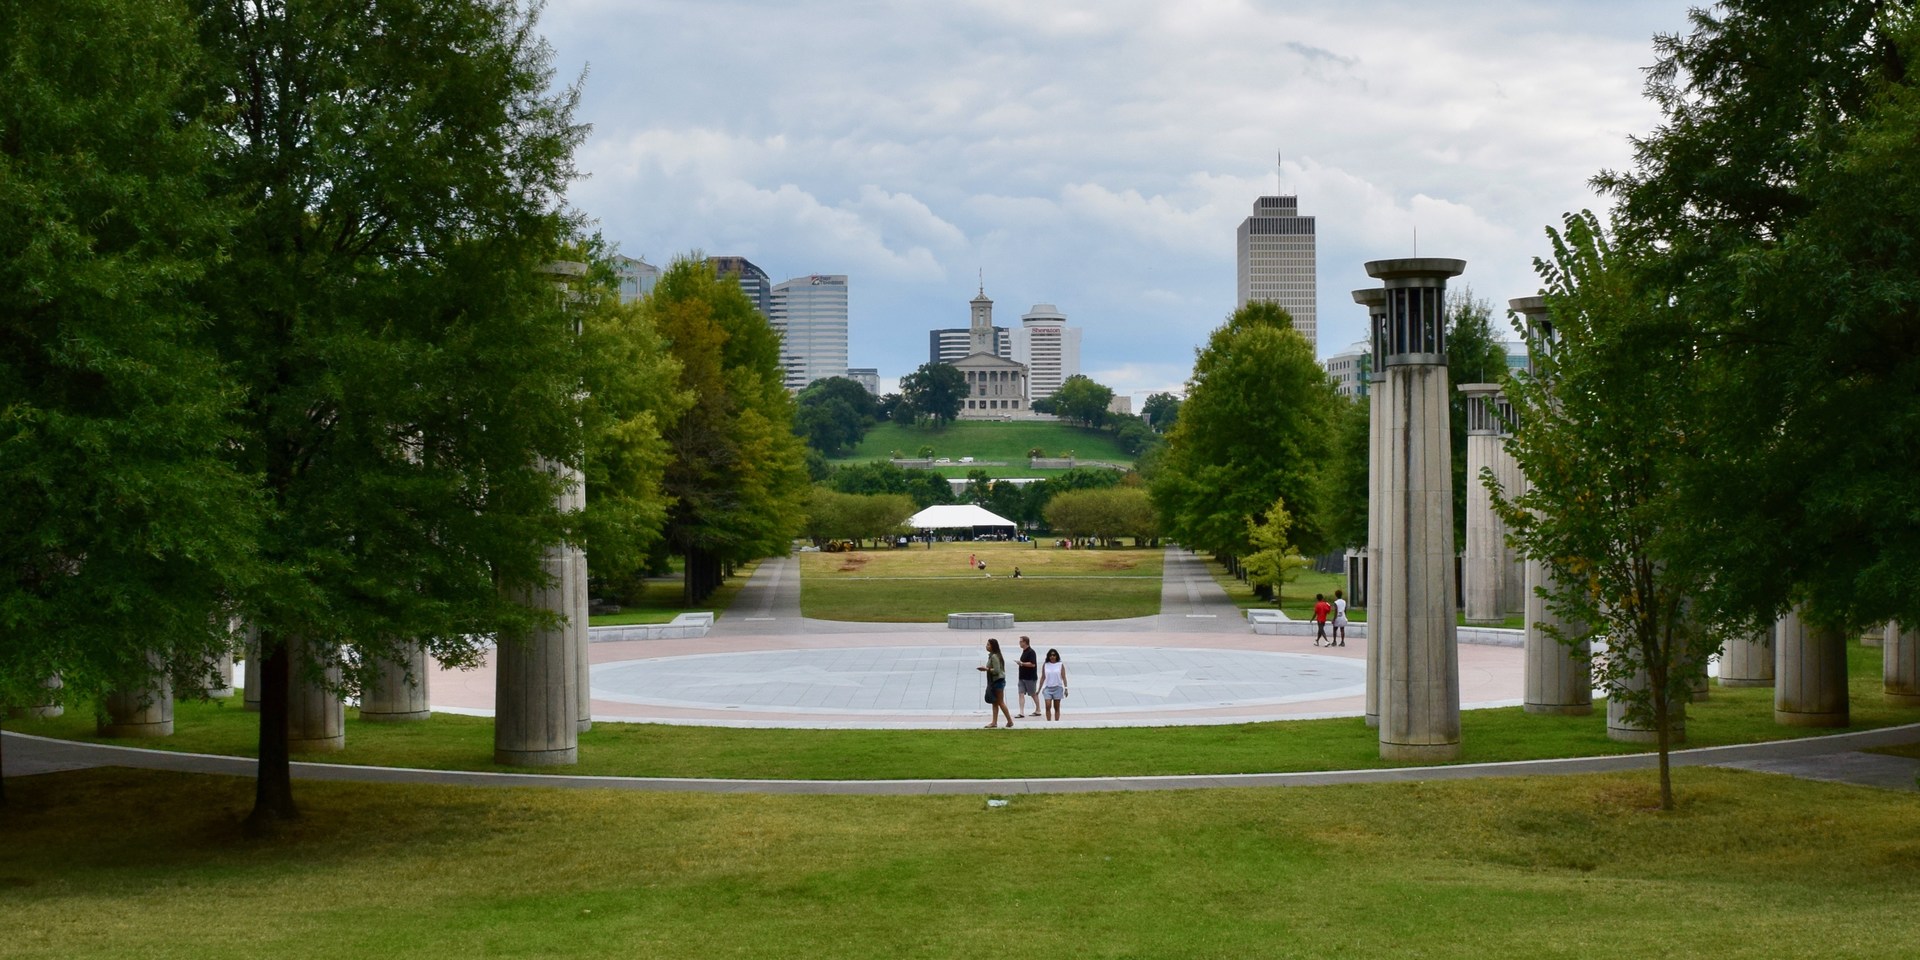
763	665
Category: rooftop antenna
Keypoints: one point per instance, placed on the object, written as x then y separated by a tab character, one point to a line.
1280	178
1416	239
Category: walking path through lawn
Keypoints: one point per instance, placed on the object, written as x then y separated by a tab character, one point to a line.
1833	758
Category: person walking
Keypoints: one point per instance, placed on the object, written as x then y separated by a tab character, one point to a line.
1339	617
1053	683
996	671
1321	608
1029	677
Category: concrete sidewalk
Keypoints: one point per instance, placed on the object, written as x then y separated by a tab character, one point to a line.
1831	758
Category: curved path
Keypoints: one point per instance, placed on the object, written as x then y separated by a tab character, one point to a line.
1833	758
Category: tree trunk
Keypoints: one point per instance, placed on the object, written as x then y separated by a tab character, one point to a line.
273	780
1663	724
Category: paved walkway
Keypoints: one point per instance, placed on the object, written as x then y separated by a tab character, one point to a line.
1834	758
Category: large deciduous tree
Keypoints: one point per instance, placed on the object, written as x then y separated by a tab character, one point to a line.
412	384
833	415
124	529
1082	400
738	476
1781	192
1256	427
935	391
1605	435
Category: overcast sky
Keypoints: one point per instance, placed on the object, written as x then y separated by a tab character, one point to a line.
1096	155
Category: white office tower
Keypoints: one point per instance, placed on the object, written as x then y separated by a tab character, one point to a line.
1277	262
637	277
1049	348
810	314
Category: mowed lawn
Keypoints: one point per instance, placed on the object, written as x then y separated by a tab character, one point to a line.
920	585
1006	441
119	863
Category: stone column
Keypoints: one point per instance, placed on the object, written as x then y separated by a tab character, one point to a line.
536	701
1419	654
141	710
1487	560
316	714
250	691
1748	661
1375	300
576	609
1558	677
1809	674
1900	657
1626	731
396	690
42	707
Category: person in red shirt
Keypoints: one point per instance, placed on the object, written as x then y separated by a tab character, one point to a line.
1321	609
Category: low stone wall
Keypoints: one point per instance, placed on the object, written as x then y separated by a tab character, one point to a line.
979	621
686	626
1266	622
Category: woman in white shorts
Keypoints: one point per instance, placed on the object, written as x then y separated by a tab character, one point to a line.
1053	683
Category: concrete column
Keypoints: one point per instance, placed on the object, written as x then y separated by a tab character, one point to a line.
396	690
576	610
1809	674
1486	561
250	691
42	707
1420	654
1626	731
143	710
1559	679
316	714
1874	636
1748	661
1900	657
1375	300
536	700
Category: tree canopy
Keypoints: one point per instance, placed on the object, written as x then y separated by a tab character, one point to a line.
833	415
1256	427
935	390
1080	398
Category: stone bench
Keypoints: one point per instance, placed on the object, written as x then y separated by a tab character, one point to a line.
979	621
686	626
1266	622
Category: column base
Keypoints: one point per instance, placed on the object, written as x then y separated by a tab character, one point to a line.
409	716
1485	621
1631	735
1726	682
1871	639
537	758
1421	752
583	726
1893	699
1791	719
1559	709
43	712
1373	721
163	728
317	744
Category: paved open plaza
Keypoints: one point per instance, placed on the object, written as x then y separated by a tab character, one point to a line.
764	665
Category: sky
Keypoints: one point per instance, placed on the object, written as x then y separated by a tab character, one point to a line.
1097	156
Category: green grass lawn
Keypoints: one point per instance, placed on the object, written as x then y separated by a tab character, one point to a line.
660	602
988	440
916	585
118	863
449	742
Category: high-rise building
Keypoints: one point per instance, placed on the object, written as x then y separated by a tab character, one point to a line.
637	277
1349	368
810	314
1049	348
753	280
952	344
1277	263
868	377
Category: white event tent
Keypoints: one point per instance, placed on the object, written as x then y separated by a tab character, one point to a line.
957	516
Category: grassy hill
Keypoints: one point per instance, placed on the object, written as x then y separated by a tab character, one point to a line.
989	440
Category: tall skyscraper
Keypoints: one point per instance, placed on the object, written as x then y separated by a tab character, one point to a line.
810	314
1277	263
1049	348
753	280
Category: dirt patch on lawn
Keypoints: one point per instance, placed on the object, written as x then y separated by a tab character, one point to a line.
1118	563
852	562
